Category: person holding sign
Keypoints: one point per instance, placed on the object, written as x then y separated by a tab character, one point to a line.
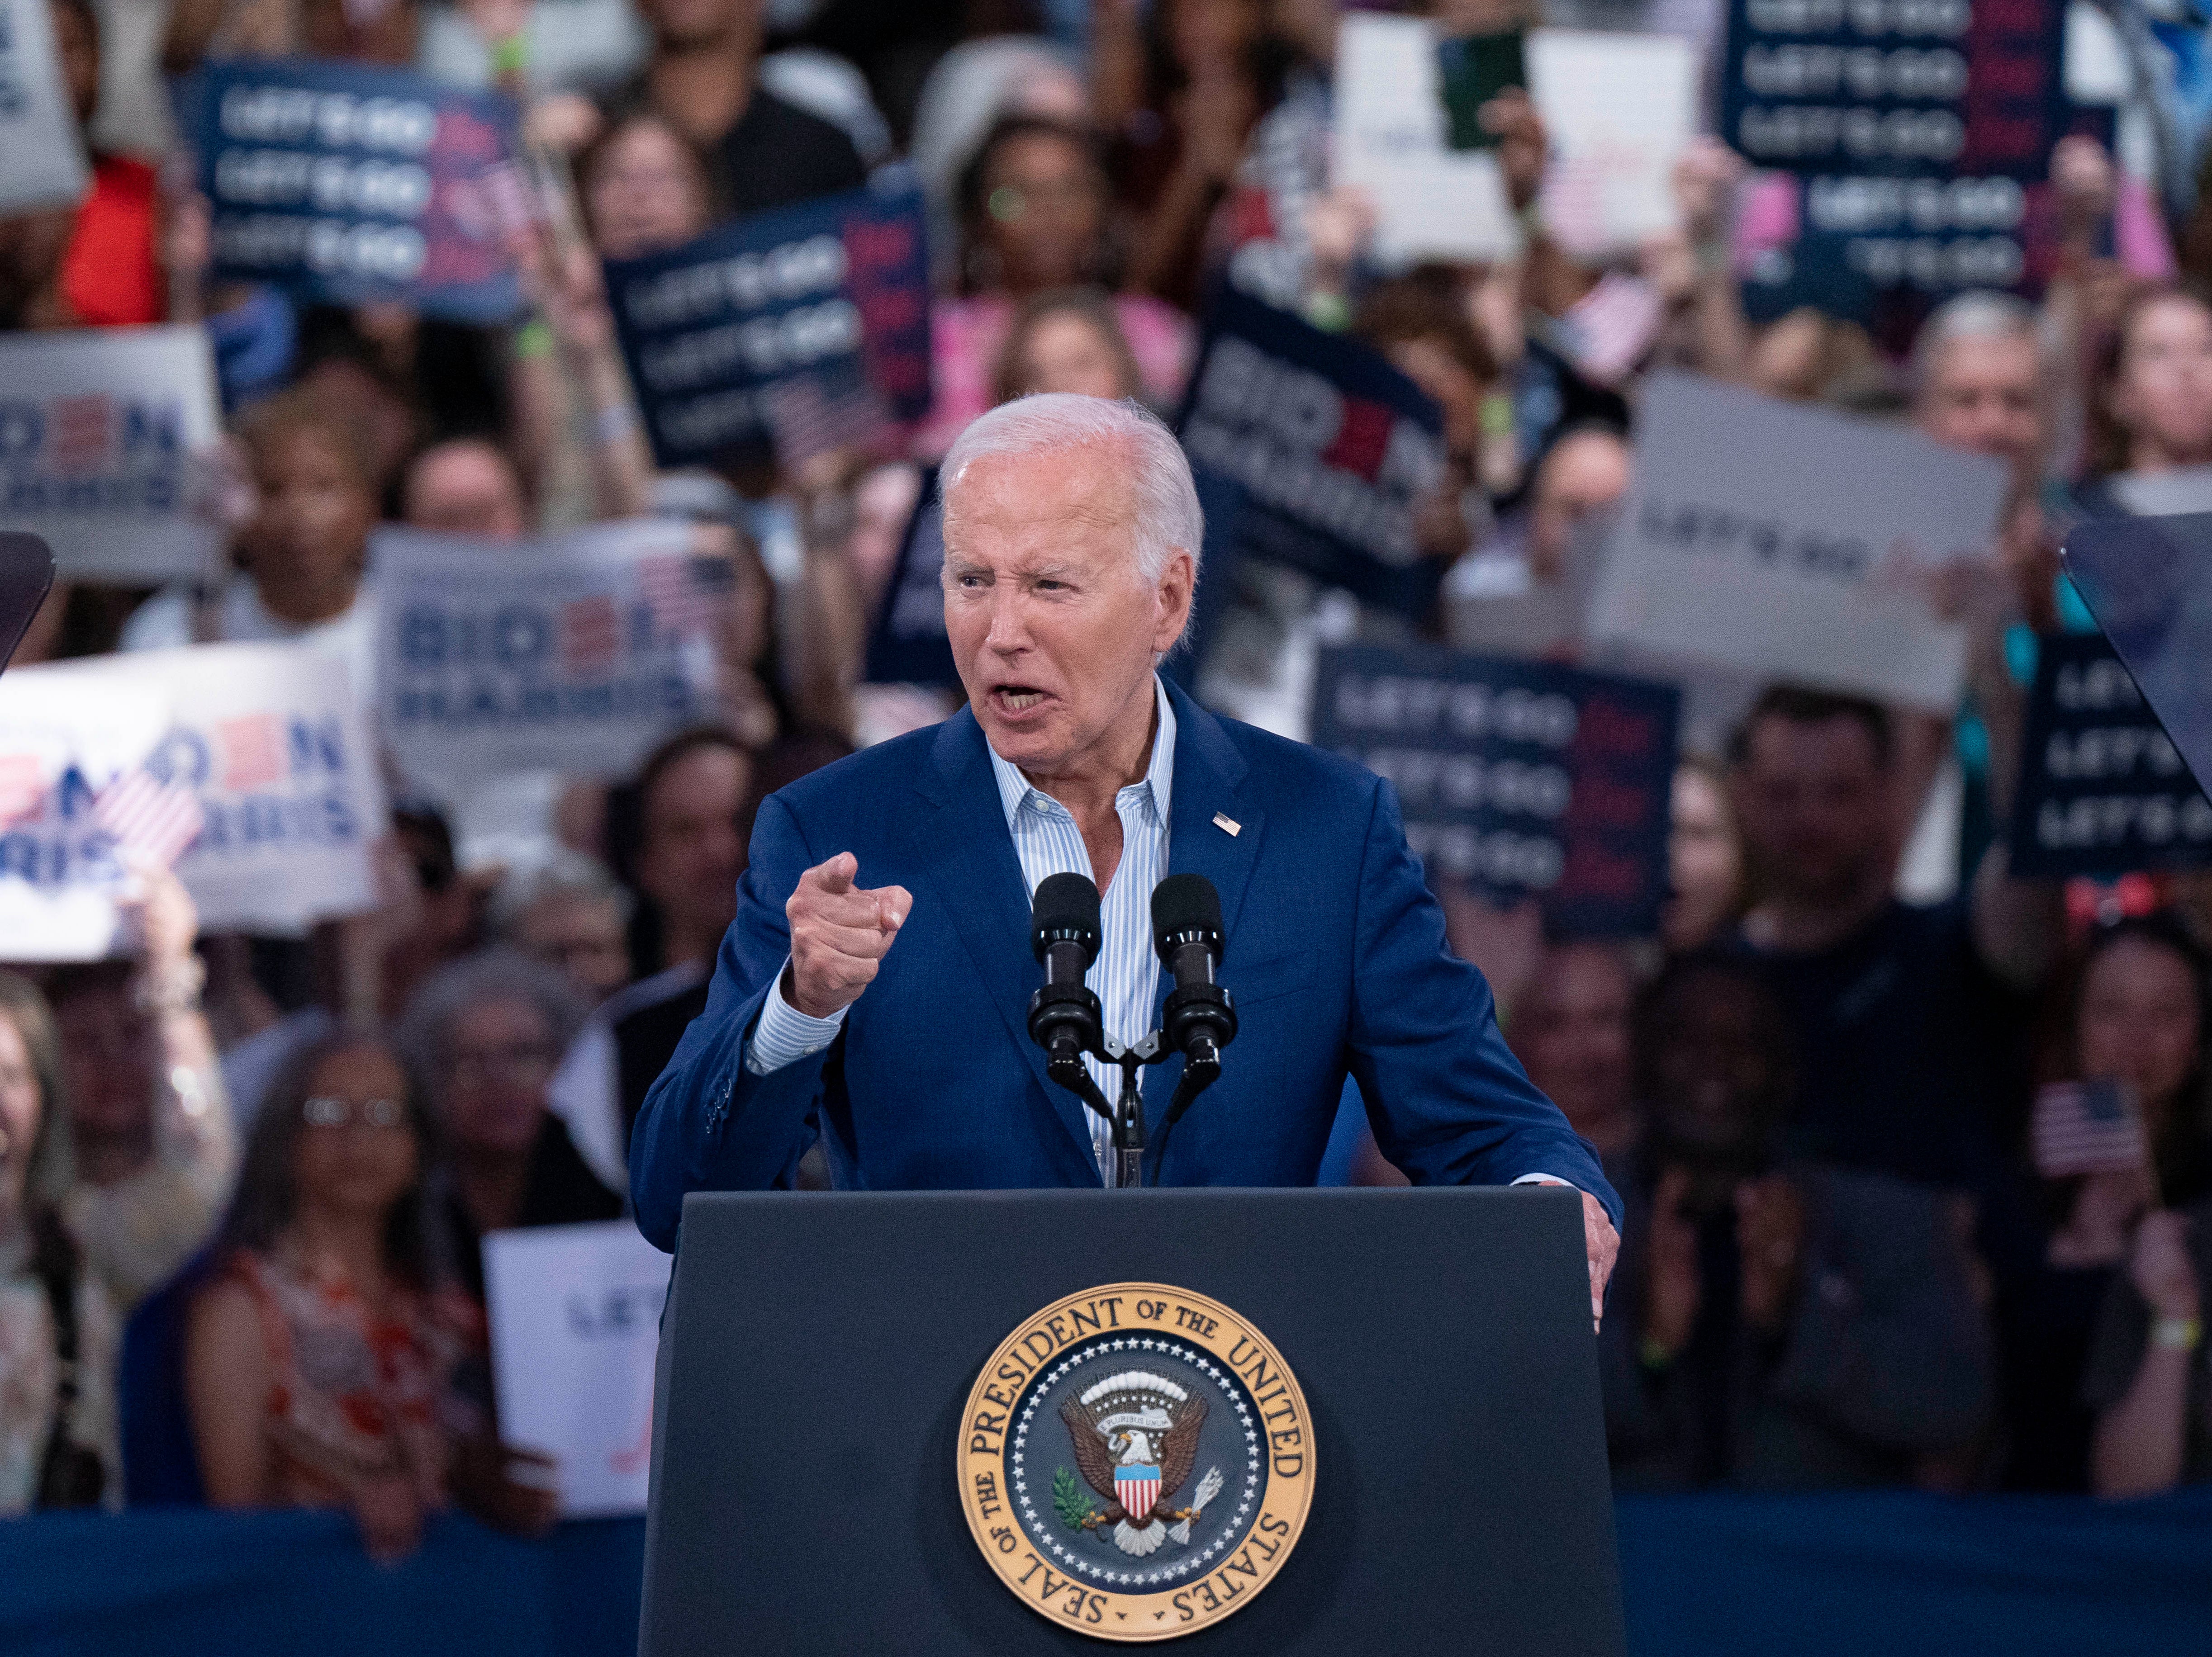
870	992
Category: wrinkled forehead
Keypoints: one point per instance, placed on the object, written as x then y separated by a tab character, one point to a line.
1060	501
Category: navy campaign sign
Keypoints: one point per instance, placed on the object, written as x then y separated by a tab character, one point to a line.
806	324
2148	582
908	644
348	184
2102	789
1520	778
1331	445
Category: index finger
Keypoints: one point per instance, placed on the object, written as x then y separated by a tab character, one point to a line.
836	875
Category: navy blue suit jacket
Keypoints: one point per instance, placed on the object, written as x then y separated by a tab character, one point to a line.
1335	956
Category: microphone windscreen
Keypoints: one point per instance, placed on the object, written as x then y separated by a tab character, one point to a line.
1064	907
1182	905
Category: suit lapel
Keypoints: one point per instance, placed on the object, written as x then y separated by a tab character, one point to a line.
977	880
1208	774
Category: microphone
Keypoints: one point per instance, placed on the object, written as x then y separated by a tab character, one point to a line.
1064	1016
1199	1019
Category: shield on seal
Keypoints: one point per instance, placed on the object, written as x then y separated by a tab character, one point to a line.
1137	1489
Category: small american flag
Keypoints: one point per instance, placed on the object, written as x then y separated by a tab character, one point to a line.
804	421
252	752
22	787
155	821
1611	327
2087	1127
686	595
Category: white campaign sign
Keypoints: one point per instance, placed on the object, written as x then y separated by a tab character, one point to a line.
106	437
273	740
1431	202
41	158
576	653
1618	110
1793	542
575	1328
61	873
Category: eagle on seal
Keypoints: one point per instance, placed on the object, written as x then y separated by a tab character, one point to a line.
1138	1458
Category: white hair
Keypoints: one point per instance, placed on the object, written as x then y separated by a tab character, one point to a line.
1978	313
1166	515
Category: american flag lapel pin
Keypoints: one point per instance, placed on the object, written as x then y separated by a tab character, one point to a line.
1227	824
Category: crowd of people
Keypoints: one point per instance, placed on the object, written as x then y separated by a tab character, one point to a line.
244	1179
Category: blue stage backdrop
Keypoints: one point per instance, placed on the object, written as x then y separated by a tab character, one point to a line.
1855	1575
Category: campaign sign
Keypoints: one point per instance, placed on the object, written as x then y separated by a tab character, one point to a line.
41	160
347	184
63	867
1520	778
823	305
273	741
106	436
1916	125
1333	447
575	1331
2102	789
1793	542
908	643
2148	582
1903	88
574	653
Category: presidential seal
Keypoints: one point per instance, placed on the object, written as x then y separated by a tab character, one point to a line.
1136	1461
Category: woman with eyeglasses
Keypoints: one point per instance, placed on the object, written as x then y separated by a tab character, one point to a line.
485	1035
325	1353
116	1154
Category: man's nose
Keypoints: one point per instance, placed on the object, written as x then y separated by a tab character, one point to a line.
1009	631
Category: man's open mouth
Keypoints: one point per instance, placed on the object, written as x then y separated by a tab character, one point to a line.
1020	698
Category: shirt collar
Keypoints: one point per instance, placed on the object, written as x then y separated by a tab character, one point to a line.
1014	788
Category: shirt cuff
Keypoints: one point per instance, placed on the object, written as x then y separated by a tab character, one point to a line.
784	1035
1526	1179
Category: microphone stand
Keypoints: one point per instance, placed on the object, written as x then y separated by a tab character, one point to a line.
1126	1114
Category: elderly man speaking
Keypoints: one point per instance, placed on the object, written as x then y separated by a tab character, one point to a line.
873	989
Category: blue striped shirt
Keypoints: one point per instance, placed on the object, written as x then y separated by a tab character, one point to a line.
1046	841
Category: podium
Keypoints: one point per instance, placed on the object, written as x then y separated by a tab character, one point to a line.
1406	1379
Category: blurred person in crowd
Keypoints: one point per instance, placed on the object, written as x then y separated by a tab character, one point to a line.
1067	340
2136	1009
759	150
1178	87
150	1126
2148	1379
321	1352
2150	394
86	1232
1571	1027
686	852
967	90
484	1036
1419	321
1777	1324
570	913
465	486
1908	1021
643	188
304	551
1704	859
92	265
1034	218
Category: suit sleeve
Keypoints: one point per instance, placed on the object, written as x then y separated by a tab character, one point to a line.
1450	1104
709	1124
